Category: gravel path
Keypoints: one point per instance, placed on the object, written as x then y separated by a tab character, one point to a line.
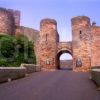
58	85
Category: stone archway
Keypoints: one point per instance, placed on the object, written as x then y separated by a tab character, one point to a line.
58	58
49	49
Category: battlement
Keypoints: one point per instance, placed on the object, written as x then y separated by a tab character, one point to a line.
7	23
51	23
80	20
16	15
48	21
3	9
6	12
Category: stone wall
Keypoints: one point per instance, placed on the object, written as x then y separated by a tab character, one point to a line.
30	68
16	15
95	52
30	33
7	24
11	73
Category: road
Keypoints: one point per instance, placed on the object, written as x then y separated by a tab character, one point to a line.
57	85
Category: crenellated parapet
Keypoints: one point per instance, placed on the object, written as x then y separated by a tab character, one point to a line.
7	24
10	25
16	15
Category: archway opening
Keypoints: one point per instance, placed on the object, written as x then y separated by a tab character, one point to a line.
64	60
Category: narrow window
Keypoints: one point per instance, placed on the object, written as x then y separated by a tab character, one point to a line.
80	34
46	37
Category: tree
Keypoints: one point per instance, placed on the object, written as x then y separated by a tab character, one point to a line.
16	50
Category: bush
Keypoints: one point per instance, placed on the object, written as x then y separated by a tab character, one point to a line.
16	50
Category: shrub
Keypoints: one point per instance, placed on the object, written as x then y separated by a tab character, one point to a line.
16	50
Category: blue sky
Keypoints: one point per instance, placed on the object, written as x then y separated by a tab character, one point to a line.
32	11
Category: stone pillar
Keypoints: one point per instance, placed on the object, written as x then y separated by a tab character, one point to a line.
47	48
81	42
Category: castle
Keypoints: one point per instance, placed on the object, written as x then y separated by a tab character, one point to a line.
84	47
10	24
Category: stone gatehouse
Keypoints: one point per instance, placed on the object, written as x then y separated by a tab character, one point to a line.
84	47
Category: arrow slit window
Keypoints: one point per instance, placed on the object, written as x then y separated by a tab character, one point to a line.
46	38
80	34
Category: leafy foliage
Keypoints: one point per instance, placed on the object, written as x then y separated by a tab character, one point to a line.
16	50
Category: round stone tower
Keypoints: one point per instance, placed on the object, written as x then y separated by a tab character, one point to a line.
81	33
80	24
48	44
7	24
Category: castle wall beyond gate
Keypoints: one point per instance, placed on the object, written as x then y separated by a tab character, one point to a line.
30	33
84	47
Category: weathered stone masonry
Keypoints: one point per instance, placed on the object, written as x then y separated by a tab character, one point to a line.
6	22
10	24
84	46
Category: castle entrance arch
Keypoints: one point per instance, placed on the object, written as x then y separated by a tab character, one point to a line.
64	47
64	64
